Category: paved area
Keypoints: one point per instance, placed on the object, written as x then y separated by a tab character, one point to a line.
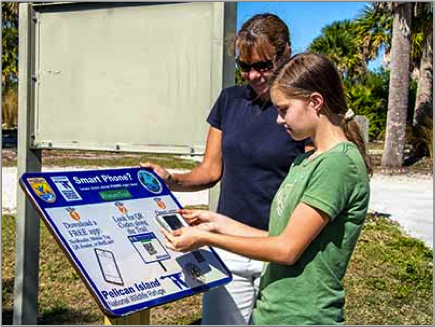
408	199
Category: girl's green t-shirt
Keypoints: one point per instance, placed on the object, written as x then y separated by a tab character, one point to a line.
311	291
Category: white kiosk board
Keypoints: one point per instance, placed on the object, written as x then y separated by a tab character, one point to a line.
128	76
107	223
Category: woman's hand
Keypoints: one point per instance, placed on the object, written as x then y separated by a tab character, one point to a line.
160	171
184	239
206	220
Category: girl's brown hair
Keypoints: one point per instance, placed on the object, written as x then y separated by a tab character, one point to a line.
264	34
306	73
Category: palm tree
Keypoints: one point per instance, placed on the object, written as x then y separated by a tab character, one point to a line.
374	26
399	81
339	43
422	127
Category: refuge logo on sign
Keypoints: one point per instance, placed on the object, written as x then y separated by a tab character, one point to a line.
42	189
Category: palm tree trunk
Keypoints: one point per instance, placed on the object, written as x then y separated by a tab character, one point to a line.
399	83
423	115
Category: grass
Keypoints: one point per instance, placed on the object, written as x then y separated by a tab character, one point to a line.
96	159
70	158
389	282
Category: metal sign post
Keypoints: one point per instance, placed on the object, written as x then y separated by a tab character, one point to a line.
27	221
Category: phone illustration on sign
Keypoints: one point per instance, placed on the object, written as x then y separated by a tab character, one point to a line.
108	266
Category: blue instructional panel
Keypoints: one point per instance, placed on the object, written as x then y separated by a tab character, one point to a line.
105	221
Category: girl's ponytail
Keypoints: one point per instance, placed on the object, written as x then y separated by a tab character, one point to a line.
353	134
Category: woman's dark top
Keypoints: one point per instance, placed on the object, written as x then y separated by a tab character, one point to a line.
257	154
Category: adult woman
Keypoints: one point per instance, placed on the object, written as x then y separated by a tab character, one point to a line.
318	211
249	154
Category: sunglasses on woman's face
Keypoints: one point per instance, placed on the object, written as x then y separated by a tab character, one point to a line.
259	66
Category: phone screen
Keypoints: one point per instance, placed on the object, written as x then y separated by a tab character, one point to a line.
173	221
108	267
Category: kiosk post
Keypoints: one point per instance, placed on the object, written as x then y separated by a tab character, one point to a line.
138	318
29	159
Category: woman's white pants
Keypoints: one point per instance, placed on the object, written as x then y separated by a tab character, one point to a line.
232	304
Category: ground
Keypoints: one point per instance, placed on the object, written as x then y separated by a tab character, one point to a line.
387	282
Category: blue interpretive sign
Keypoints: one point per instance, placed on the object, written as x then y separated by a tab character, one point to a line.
105	221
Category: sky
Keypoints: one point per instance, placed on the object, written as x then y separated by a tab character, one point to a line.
305	19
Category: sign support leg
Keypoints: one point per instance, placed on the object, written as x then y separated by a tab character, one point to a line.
138	318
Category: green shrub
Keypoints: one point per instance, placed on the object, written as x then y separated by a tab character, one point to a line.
368	96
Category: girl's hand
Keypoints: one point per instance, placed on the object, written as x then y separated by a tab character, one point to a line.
206	220
160	171
184	239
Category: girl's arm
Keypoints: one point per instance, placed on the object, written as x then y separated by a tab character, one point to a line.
304	225
218	223
203	176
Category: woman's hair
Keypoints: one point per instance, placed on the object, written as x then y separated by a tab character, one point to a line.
264	34
306	73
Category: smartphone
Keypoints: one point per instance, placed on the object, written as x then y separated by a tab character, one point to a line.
108	266
171	221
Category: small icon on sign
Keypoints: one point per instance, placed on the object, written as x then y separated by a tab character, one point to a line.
120	206
194	271
66	188
42	189
160	203
149	182
73	213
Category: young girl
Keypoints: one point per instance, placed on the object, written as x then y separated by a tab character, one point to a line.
249	154
317	213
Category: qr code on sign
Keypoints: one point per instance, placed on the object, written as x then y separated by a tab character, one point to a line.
150	248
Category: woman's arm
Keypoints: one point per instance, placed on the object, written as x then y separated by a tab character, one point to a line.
304	225
203	176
